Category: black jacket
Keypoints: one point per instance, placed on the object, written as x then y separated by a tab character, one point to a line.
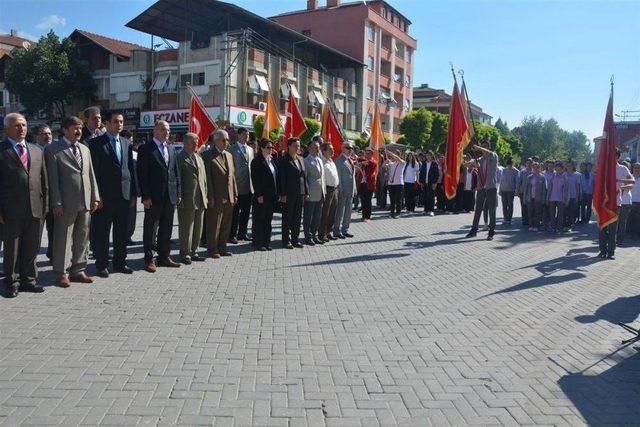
433	174
293	180
116	180
158	181
263	180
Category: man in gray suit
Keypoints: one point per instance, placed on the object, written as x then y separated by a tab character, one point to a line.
73	193
23	205
193	199
314	169
346	191
242	156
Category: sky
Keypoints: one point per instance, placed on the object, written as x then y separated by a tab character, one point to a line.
548	58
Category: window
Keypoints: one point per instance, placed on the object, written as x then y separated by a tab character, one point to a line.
369	92
368	119
370	62
306	33
407	56
371	34
198	79
185	79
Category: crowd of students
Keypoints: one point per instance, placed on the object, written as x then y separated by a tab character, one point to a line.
86	185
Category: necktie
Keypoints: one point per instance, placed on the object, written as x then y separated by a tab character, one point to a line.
24	158
117	149
194	161
165	153
76	154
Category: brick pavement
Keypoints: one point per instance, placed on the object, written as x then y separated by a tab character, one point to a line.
406	324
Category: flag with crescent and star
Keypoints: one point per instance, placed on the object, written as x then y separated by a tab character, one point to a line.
200	122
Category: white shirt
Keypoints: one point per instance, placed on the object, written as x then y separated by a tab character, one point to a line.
468	182
273	170
162	147
624	197
330	173
411	172
395	173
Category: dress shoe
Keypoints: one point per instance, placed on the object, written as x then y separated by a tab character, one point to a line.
225	253
347	235
288	246
471	234
168	262
186	260
332	237
81	278
262	249
233	240
151	267
318	241
611	256
12	290
309	242
340	236
215	255
490	236
197	258
104	273
602	254
298	245
125	269
31	287
245	238
269	248
63	282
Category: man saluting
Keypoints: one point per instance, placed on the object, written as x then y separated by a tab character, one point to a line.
487	193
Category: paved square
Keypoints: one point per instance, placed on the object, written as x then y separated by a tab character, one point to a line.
406	324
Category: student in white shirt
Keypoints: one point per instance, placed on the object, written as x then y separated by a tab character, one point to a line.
624	209
410	175
634	218
396	182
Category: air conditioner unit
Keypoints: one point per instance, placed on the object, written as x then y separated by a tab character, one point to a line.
318	116
262	106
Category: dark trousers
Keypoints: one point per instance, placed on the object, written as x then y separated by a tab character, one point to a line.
507	204
262	218
468	200
585	207
634	220
524	210
535	213
291	218
459	202
114	213
131	222
328	212
161	216
607	238
556	215
440	197
395	197
311	218
570	213
48	222
410	196
381	195
21	238
623	217
429	198
365	198
241	212
485	199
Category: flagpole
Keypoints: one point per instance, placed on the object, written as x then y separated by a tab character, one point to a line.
466	95
195	95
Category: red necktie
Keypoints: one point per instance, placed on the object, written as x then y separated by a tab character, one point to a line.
24	157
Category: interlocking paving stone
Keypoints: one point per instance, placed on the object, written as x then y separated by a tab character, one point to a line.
406	324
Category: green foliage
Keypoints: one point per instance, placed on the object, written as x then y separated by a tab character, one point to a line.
258	126
313	126
545	139
498	143
439	128
403	140
361	143
416	128
49	75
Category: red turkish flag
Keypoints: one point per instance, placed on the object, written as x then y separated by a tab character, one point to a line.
330	131
200	122
604	187
457	139
294	126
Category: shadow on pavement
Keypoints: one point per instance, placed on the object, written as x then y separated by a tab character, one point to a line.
359	258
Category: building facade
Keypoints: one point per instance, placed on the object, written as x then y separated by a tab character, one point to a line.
9	103
439	101
376	34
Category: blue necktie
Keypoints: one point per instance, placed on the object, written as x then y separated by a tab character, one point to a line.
118	149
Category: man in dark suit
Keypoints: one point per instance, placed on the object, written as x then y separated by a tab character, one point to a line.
113	165
294	191
160	189
429	175
264	174
23	205
242	157
92	127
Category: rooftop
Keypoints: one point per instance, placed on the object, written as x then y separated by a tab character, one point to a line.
344	5
13	39
114	46
175	20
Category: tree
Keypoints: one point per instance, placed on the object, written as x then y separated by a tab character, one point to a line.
498	144
258	126
438	140
576	145
416	128
49	76
313	126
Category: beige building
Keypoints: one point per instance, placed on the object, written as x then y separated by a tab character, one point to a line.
9	103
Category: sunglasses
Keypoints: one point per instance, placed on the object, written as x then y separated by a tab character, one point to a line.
269	147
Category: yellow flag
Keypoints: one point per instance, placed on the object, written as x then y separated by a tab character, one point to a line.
467	114
272	119
377	136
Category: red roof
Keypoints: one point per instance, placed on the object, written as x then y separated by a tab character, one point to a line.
116	47
15	40
4	53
